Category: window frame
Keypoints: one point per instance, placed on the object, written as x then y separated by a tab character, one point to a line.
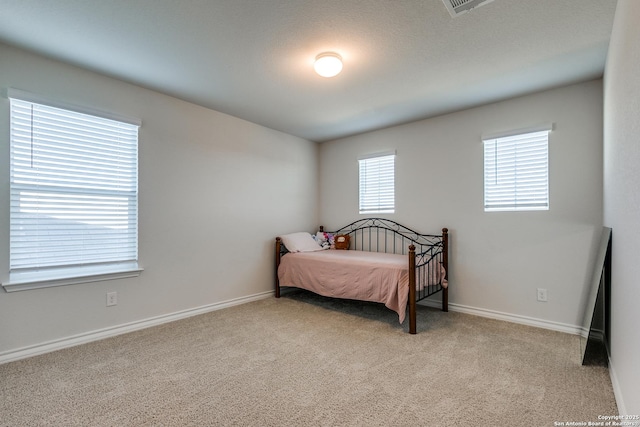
384	192
33	277
524	183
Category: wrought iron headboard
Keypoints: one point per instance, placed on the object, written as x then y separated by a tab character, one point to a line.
385	235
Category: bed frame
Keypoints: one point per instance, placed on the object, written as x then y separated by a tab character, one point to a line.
383	235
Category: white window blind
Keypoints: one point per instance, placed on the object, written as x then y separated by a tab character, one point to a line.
516	172
377	184
73	190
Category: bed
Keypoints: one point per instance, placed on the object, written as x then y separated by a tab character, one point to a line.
382	261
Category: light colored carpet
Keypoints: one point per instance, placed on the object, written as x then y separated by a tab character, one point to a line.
303	360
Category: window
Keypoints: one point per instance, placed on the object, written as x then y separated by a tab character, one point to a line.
516	171
377	183
73	196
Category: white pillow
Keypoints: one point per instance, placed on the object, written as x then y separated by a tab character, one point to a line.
300	242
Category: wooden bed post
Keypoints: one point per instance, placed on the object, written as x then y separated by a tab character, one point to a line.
445	264
412	289
278	243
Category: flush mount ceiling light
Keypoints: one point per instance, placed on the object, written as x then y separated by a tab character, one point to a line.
328	64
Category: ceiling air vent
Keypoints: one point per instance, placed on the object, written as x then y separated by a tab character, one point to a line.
458	7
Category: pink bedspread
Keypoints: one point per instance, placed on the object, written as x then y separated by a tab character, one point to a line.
358	275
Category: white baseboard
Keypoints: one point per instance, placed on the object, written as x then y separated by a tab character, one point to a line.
49	346
617	392
508	317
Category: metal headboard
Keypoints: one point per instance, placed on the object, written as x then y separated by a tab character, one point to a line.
385	235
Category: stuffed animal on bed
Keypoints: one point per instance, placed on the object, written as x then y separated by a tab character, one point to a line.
342	241
326	240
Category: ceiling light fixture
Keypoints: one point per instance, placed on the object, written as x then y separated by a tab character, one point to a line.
328	64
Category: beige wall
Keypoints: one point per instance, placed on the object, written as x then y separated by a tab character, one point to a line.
498	259
622	200
214	191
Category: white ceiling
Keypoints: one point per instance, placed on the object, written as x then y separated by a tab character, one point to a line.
403	59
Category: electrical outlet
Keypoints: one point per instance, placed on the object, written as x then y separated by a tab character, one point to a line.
112	299
542	295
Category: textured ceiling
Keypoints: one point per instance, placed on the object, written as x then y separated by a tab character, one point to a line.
403	59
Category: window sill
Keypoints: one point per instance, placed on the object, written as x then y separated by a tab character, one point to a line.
22	281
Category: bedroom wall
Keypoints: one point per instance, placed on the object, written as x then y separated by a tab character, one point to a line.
622	200
214	191
498	259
